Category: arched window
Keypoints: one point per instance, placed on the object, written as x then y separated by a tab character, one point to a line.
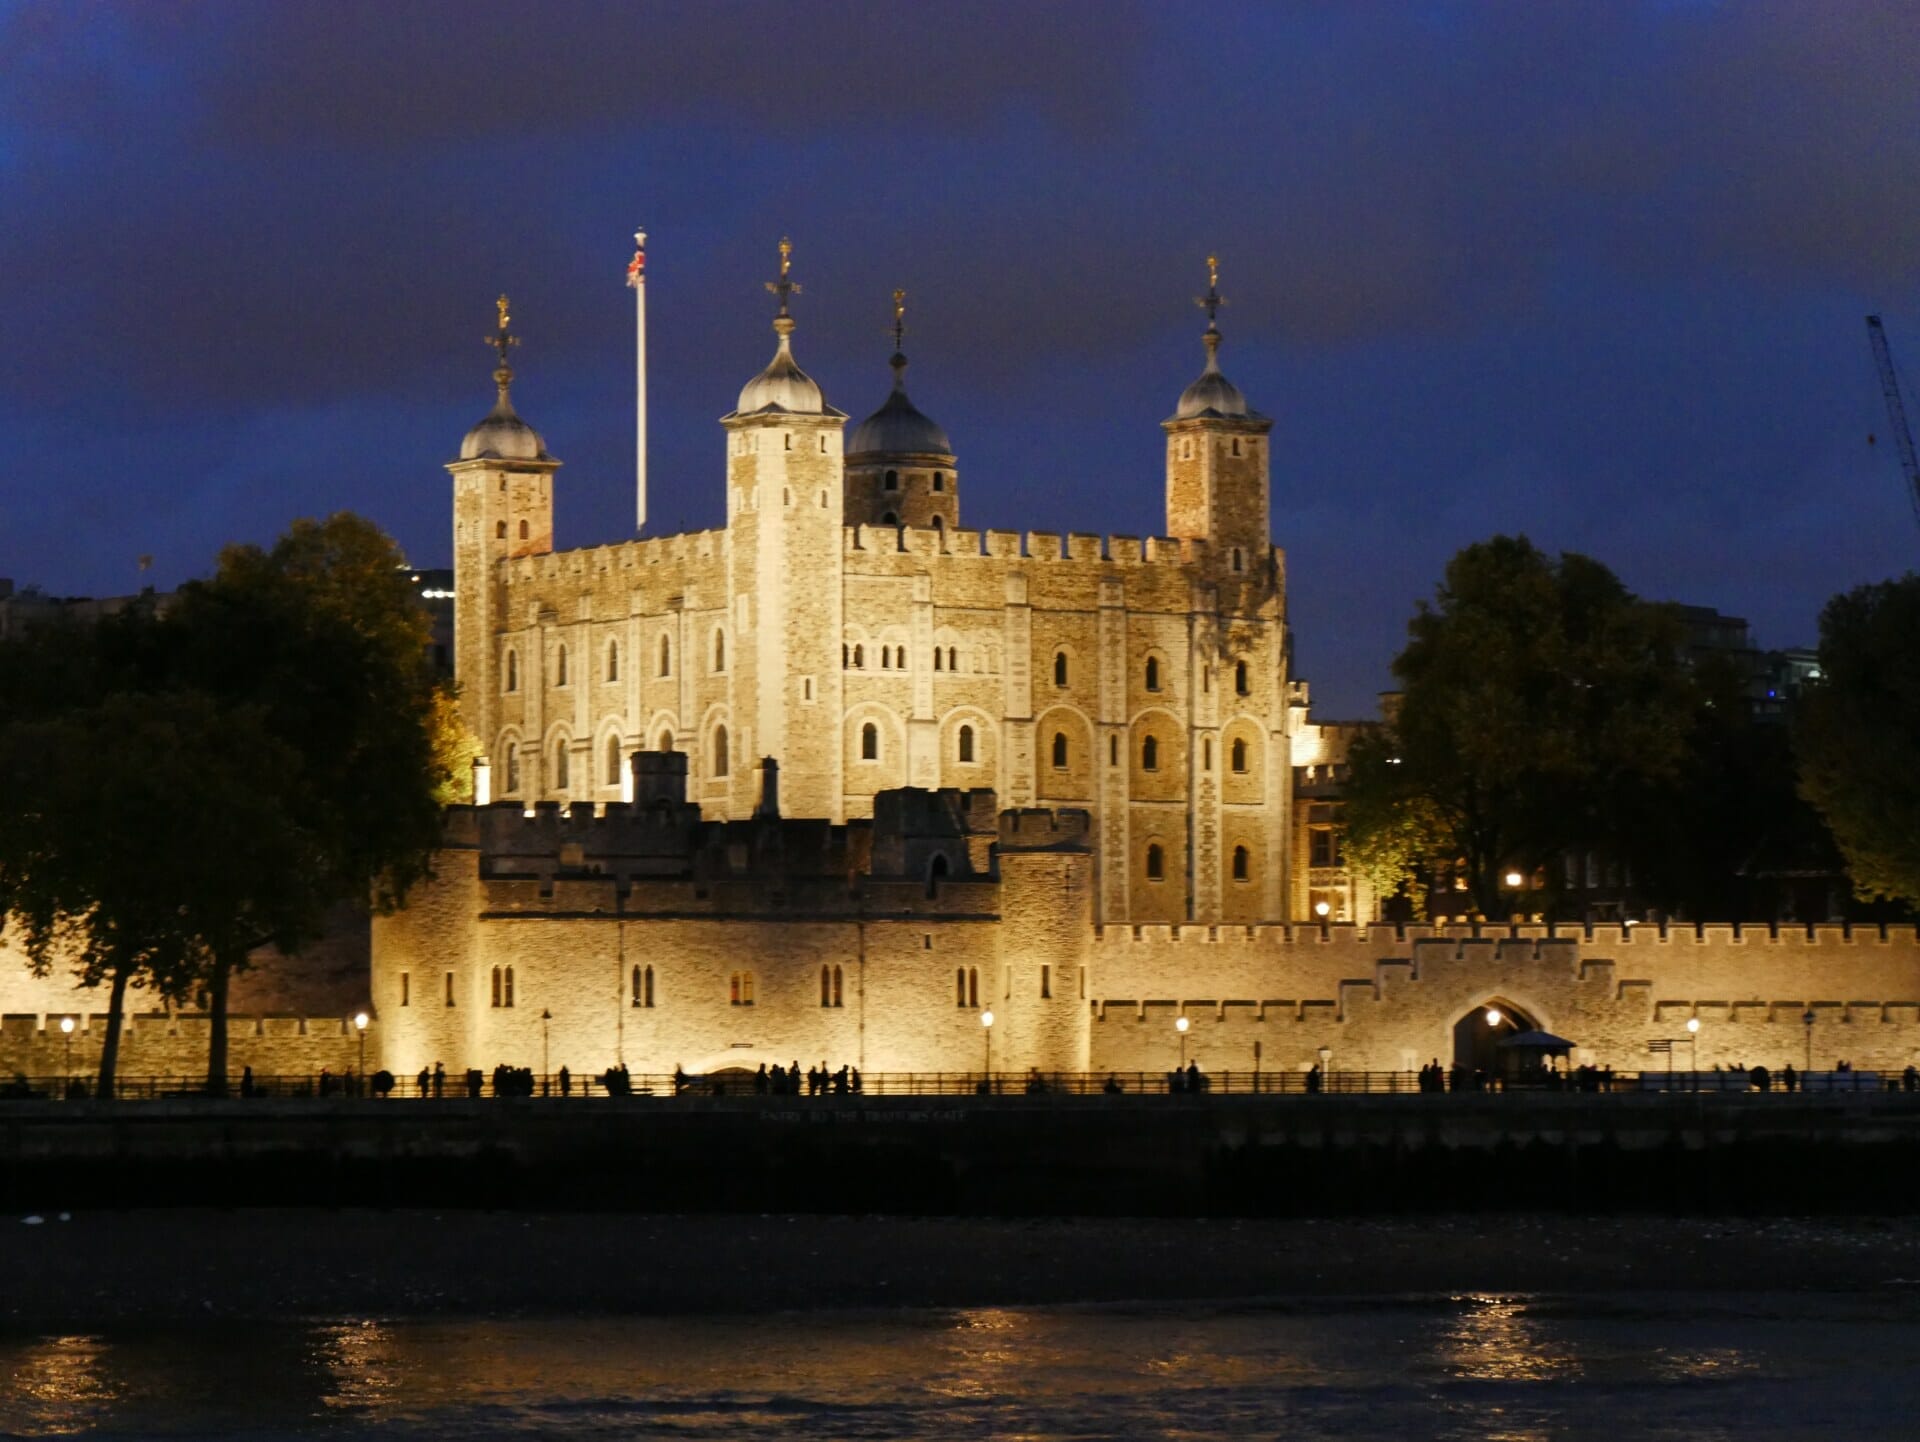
1153	673
513	766
1236	445
740	988
719	652
953	658
1113	751
836	985
613	660
939	480
938	524
869	742
1150	754
892	481
1240	863
939	659
1239	756
513	671
890	519
966	744
561	771
960	986
719	751
646	978
1059	751
1059	668
1239	561
560	666
937	868
973	986
666	741
1240	677
859	658
826	985
666	655
523	530
613	761
1206	754
496	986
509	988
1156	862
499	530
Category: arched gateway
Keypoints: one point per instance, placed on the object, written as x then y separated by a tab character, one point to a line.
1477	1035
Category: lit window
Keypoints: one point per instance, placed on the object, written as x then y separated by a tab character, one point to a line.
740	988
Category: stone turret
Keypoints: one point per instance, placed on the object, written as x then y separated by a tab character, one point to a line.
1217	459
502	508
785	508
901	469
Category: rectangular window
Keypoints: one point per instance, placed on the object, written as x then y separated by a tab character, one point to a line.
1324	847
1046	980
449	988
406	988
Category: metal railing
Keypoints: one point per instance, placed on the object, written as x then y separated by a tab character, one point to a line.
559	1086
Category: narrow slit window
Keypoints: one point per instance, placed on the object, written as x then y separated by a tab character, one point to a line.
1059	751
1156	862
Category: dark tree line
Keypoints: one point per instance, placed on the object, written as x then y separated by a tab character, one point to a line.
187	786
1546	711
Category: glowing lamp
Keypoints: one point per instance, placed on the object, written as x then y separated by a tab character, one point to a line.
1493	1016
1514	879
66	1025
1320	908
1693	1023
1180	1025
986	1018
360	1020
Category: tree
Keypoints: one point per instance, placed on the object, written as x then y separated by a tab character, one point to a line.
1541	702
1857	735
131	824
209	781
322	639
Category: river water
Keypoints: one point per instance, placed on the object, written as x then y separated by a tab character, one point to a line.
1693	1366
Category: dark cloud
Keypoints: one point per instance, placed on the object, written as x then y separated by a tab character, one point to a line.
1594	271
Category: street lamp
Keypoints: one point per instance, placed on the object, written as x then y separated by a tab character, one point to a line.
986	1029
1514	880
1493	1016
1693	1050
1807	1019
1180	1025
1321	909
545	1017
360	1025
66	1032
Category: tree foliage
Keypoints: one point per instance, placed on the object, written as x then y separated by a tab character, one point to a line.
1857	735
215	779
1542	705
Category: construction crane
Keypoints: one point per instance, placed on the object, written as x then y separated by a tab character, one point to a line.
1896	412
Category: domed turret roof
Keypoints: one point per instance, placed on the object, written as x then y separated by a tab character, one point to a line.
500	434
1213	396
783	388
899	426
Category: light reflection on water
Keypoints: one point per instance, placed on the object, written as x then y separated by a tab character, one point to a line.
1481	1367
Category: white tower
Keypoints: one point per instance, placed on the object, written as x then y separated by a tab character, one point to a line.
637	280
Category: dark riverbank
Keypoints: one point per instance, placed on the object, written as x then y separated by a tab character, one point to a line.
149	1267
1008	1156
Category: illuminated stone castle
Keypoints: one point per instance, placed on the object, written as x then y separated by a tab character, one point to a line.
845	623
838	779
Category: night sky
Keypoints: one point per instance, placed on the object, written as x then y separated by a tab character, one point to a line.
1593	273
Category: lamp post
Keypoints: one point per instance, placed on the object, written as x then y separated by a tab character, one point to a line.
66	1033
545	1017
1807	1019
1180	1025
1693	1051
986	1030
360	1025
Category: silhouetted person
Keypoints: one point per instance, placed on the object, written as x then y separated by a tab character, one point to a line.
439	1080
1193	1076
1313	1077
424	1080
1789	1078
1761	1078
246	1081
1114	1089
566	1081
1910	1079
762	1083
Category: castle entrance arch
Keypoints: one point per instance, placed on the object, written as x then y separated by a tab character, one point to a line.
1477	1035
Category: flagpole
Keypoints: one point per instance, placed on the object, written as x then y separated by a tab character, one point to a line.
637	280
